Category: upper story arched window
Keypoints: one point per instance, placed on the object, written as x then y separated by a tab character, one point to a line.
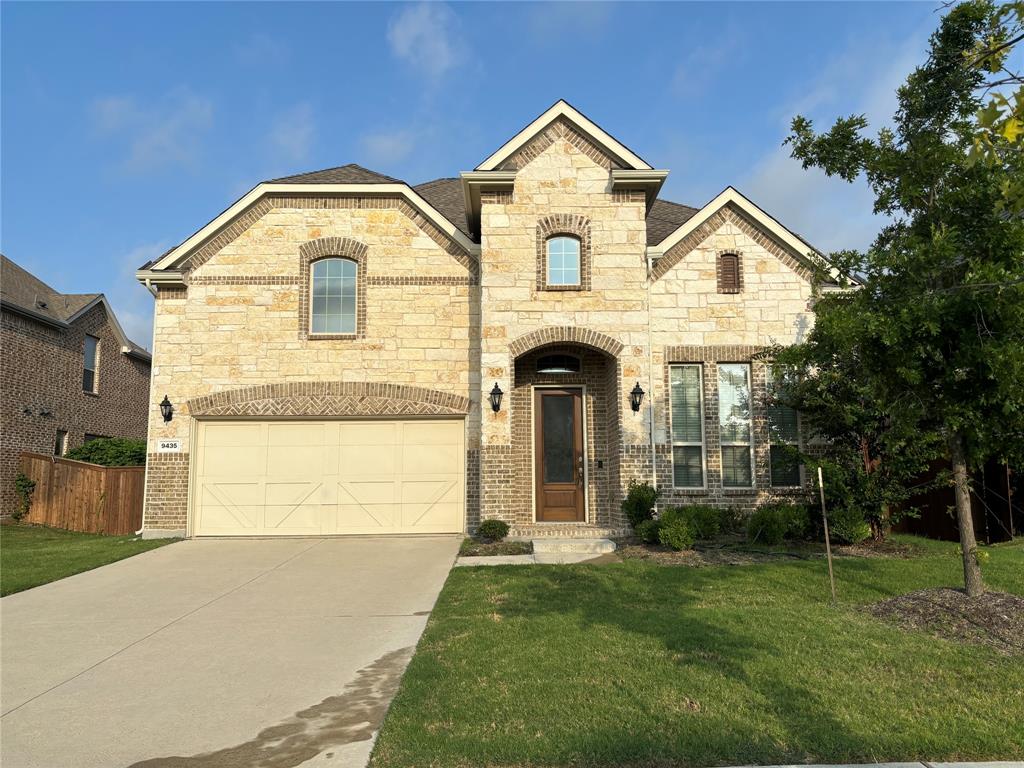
563	260
333	290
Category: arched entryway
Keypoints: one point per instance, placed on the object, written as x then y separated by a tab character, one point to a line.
565	414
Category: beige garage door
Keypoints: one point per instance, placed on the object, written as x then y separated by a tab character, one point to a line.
311	478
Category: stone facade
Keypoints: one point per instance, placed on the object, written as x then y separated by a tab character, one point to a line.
443	325
41	369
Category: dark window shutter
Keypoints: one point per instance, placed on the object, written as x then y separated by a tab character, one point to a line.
728	273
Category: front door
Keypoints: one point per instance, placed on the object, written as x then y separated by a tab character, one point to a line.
558	453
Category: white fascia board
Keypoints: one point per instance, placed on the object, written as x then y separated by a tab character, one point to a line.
733	196
126	344
563	109
400	190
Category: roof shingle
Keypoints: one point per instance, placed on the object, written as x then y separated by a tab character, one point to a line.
343	174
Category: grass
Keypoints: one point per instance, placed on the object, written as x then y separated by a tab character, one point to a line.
638	664
31	555
471	547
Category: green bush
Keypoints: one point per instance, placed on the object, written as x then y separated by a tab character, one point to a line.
704	521
639	502
23	486
494	530
771	523
647	530
847	525
732	520
111	452
674	531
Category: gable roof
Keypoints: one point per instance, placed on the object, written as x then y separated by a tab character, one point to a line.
342	174
24	293
562	109
665	217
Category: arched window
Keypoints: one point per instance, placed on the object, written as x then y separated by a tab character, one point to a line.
563	267
333	296
730	279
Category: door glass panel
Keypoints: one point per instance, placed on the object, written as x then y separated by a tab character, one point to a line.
558	414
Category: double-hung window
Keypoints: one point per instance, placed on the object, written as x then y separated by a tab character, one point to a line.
783	437
333	309
734	422
686	409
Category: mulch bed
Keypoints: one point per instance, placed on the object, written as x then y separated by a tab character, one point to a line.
736	550
482	548
995	619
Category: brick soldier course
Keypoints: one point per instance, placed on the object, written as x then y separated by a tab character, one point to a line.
42	341
453	298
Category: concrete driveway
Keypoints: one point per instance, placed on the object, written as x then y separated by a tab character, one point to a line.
216	653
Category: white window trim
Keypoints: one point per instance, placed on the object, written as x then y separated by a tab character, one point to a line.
355	325
703	432
749	443
579	261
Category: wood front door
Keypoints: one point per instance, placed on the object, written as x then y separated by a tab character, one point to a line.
559	455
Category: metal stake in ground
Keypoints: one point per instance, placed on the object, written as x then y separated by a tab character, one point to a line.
828	544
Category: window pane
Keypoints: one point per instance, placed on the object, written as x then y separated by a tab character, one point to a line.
684	386
782	424
320	268
558	418
687	468
91	344
334	296
319	286
348	269
319	324
736	466
563	254
785	466
734	402
332	324
88	380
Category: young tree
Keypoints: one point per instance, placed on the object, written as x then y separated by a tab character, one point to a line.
937	326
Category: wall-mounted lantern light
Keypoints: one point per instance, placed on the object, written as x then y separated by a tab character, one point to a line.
636	397
166	409
495	398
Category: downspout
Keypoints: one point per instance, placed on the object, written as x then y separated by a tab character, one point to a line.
650	373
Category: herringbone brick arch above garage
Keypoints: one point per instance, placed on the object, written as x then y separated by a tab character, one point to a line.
329	398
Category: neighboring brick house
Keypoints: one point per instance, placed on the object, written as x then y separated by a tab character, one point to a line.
67	373
333	342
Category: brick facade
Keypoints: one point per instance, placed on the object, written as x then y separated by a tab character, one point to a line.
41	375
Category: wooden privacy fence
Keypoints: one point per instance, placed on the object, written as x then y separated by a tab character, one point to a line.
85	497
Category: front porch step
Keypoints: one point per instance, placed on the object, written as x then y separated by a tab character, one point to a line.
564	531
574	546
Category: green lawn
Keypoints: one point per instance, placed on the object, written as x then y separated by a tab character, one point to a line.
33	555
636	664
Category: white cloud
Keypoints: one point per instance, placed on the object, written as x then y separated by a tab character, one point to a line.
548	21
293	132
388	147
830	213
426	37
165	133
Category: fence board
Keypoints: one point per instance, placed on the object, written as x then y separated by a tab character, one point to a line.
84	497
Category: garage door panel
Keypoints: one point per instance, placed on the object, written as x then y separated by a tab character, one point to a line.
310	478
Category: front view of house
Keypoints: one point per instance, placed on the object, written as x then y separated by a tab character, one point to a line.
342	353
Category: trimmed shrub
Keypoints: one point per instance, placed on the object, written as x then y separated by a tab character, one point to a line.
766	526
639	502
111	452
674	531
732	520
493	530
704	521
847	524
647	530
771	523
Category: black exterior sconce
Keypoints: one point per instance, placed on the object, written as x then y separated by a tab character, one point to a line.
636	397
166	409
495	398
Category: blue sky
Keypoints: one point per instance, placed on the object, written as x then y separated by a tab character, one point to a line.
127	126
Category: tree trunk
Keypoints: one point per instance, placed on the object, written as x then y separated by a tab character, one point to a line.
965	522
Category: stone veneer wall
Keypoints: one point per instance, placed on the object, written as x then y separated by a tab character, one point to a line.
238	326
42	373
